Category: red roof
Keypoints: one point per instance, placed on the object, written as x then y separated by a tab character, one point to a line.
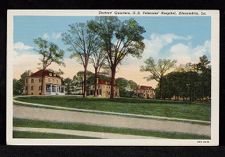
145	87
45	73
103	82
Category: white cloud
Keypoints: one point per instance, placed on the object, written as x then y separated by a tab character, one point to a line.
153	46
20	46
157	42
25	59
56	36
185	53
52	36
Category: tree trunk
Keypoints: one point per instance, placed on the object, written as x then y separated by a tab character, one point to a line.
85	82
96	77
113	73
42	82
160	87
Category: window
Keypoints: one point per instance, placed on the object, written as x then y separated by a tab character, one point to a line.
39	93
32	88
39	80
26	80
32	80
31	93
39	87
26	88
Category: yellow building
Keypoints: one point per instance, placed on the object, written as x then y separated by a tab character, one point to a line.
52	84
146	92
103	89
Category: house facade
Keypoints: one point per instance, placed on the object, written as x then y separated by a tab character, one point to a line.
103	89
52	84
146	92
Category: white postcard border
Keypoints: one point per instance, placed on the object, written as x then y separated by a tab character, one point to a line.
117	142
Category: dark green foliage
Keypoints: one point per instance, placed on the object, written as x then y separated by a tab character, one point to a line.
18	85
188	85
126	87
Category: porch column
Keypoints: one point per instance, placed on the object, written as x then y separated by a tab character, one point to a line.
50	88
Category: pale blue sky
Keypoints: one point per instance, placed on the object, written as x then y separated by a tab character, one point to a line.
184	38
26	28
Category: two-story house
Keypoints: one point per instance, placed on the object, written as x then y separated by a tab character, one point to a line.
103	89
146	92
52	84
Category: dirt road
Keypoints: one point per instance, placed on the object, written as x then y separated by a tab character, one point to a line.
109	120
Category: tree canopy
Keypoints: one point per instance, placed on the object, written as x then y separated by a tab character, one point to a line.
50	53
120	38
157	70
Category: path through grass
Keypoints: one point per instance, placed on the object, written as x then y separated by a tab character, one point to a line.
95	128
124	105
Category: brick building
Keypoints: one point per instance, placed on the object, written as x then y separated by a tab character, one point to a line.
52	84
146	92
103	89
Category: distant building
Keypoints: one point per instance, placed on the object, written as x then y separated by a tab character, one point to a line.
146	92
103	89
52	84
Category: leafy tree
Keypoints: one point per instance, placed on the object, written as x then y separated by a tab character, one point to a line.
133	85
50	53
98	61
82	43
193	82
18	85
204	69
68	84
120	39
79	78
158	70
181	84
126	87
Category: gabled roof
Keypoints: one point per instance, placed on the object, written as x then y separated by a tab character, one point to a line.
103	82
145	87
45	73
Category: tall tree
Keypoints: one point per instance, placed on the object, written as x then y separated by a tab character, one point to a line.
98	60
82	43
68	85
120	39
50	53
79	78
157	70
204	69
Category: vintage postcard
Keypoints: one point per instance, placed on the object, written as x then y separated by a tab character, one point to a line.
113	77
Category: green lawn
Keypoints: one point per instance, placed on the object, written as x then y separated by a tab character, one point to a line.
126	105
27	134
85	127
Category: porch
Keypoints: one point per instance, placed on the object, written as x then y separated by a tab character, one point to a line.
53	89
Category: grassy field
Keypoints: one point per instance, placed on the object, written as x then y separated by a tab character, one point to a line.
27	134
126	105
85	127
